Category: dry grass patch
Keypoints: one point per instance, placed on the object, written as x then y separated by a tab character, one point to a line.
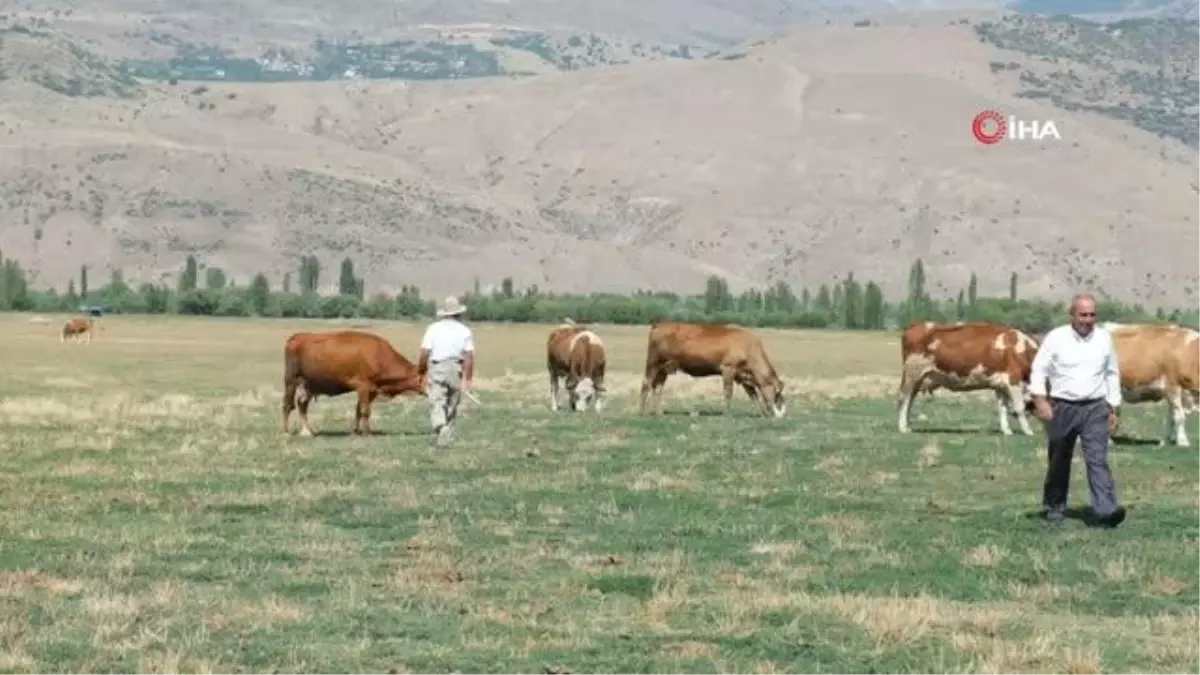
653	480
988	555
931	453
256	614
1165	586
18	583
1120	570
1042	594
692	650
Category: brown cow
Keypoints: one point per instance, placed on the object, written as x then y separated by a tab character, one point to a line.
706	349
77	329
967	357
576	354
330	364
1159	362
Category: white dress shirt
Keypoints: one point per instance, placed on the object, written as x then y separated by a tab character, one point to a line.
447	339
1078	368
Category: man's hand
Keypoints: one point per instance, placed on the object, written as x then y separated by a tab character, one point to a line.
1042	409
1114	420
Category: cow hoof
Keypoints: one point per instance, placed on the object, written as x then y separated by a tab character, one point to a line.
306	433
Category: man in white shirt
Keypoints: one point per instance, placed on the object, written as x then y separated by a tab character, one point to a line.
447	364
1078	364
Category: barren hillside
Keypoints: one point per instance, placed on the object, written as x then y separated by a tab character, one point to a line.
130	26
804	157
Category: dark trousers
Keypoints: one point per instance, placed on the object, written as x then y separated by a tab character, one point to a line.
1086	421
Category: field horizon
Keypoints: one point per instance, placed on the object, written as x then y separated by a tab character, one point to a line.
155	519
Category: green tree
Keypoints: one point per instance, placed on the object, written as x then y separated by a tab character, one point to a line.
1012	287
873	307
190	276
823	301
972	294
347	282
287	282
310	274
83	285
214	278
260	294
852	303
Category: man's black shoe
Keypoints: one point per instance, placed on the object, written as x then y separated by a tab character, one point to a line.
1113	519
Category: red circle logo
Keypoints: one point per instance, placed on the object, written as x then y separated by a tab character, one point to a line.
989	127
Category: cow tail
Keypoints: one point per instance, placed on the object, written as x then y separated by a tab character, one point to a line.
291	374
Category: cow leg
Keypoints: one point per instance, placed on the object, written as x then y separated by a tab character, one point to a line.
910	384
553	391
1016	405
1176	428
756	394
647	384
1002	410
751	392
368	411
659	381
728	374
362	410
652	383
303	398
289	404
598	391
572	383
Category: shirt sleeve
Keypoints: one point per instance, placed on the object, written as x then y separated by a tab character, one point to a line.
1112	376
469	343
427	339
1041	365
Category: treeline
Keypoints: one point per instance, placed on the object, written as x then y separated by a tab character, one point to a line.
848	304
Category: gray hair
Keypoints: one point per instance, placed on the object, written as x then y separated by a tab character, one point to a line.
1075	299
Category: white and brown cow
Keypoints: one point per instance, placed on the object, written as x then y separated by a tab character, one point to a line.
967	357
1159	362
575	354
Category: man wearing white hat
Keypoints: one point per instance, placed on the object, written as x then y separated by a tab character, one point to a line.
447	363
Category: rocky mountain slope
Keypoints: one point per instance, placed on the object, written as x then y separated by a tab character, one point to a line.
801	157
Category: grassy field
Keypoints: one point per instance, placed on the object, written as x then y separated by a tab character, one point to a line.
153	518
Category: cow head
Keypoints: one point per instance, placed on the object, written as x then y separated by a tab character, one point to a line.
585	394
775	391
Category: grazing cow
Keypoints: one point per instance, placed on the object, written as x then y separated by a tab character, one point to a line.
576	354
330	364
706	349
1159	362
967	357
77	329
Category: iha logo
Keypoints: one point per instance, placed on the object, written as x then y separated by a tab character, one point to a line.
990	127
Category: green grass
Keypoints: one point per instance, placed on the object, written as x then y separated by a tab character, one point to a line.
155	519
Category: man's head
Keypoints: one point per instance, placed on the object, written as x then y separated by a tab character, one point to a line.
1083	313
451	308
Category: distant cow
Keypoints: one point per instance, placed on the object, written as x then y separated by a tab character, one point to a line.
330	364
1157	363
77	329
967	357
576	354
706	349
